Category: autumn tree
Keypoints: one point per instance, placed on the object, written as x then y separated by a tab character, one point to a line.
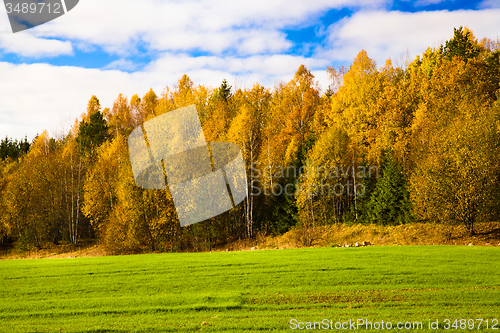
455	141
135	110
148	106
113	202
220	111
354	107
458	183
246	131
100	182
322	196
287	136
34	196
8	167
185	93
119	119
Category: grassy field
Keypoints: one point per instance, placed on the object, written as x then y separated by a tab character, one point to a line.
271	290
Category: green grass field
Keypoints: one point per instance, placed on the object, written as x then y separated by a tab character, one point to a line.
253	290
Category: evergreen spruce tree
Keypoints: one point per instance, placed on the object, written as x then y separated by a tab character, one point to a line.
389	203
463	45
93	133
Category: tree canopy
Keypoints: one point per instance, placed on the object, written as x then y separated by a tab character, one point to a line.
383	145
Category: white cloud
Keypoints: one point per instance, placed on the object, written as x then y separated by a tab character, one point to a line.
34	96
37	96
122	64
423	3
489	4
28	45
243	41
249	27
387	34
263	65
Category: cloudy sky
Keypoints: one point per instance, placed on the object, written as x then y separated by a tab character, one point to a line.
107	47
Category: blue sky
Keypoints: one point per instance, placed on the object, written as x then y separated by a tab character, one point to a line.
107	47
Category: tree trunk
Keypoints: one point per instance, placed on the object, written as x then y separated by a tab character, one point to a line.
354	179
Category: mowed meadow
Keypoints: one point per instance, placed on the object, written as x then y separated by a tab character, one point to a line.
251	290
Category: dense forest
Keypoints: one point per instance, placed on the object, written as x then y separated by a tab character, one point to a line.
417	142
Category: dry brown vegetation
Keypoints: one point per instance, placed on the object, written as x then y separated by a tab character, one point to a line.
55	252
488	234
409	234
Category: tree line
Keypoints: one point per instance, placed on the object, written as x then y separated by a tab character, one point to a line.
418	142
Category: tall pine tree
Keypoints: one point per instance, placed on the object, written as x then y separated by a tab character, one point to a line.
390	204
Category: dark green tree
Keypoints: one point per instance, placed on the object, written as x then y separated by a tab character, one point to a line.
13	148
224	92
493	62
389	203
462	45
93	133
24	145
7	148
